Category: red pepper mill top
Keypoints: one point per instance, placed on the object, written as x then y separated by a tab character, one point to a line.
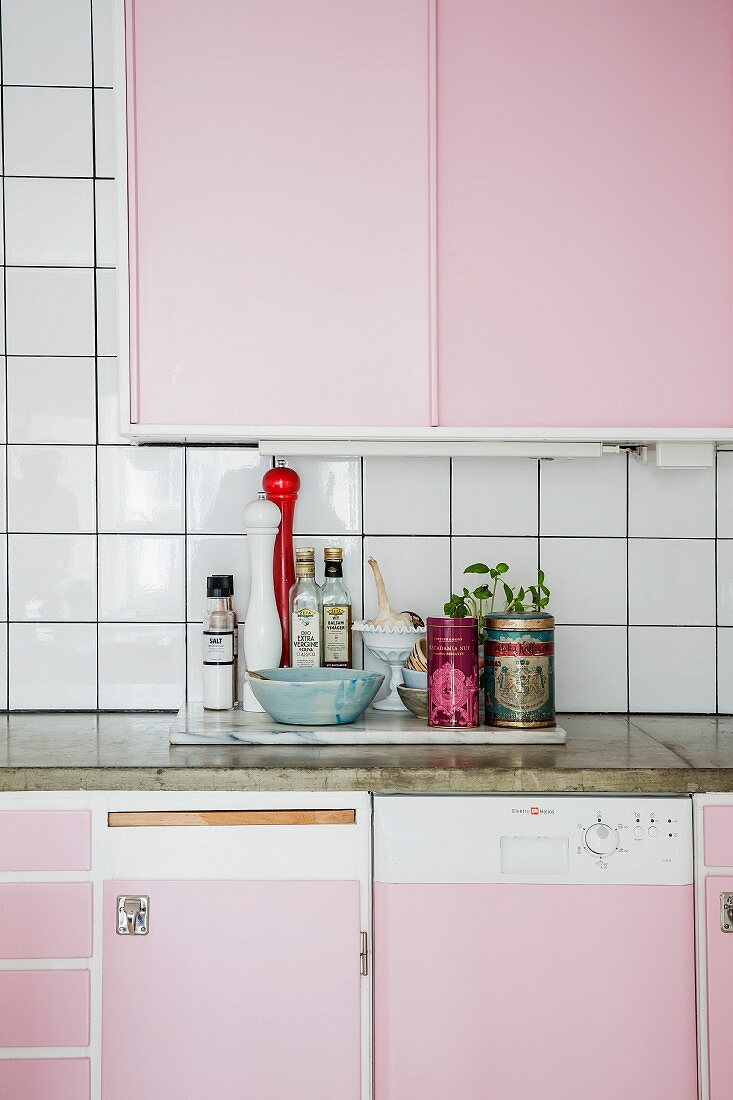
281	485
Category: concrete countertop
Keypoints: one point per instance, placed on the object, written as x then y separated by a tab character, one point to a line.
656	754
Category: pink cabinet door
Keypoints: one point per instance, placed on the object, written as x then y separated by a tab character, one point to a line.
516	991
239	989
278	187
719	983
585	268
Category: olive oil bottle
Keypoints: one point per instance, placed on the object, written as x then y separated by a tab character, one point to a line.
336	612
306	611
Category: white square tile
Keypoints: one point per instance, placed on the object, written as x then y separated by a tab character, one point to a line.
672	670
106	312
51	489
407	496
520	554
416	572
3	577
725	671
211	554
141	489
330	495
725	582
587	580
671	503
220	483
45	42
106	211
3	399
3	487
49	221
3	666
51	400
725	494
48	131
672	582
104	133
495	496
590	668
50	311
141	578
108	400
53	666
141	666
53	578
103	42
583	496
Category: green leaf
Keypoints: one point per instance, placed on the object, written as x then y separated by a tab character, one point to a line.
508	593
545	590
520	608
479	567
521	594
466	592
483	592
502	567
544	602
540	577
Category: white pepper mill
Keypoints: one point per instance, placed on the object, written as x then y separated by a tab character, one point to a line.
262	634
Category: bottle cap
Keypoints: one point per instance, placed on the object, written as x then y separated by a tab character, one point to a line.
305	553
220	586
333	553
305	569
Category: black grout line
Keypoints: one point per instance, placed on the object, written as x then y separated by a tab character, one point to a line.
185	573
68	87
717	615
628	608
96	338
5	362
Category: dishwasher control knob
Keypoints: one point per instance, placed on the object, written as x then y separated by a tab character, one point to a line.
601	839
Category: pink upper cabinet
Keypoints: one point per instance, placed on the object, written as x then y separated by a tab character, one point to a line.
584	213
278	188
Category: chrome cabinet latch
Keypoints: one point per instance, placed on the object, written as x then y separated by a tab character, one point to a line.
726	912
132	916
364	954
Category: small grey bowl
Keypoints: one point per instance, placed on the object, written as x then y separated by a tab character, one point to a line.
415	699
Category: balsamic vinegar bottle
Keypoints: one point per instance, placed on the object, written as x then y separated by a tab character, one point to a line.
336	612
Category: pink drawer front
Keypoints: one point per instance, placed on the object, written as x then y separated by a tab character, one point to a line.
44	1008
45	1079
46	920
45	840
718	833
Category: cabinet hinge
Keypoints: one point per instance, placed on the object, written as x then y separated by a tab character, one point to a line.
364	954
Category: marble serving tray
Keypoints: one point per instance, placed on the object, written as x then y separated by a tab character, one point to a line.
195	726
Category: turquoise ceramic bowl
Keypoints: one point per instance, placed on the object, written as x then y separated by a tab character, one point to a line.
315	696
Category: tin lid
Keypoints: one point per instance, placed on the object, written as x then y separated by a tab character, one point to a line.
528	620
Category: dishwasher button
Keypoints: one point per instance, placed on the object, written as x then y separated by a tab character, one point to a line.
601	839
653	830
638	832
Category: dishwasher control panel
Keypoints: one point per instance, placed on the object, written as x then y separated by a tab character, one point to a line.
537	838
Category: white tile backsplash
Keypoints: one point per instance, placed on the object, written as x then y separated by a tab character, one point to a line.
141	666
587	579
495	496
51	489
671	503
141	578
583	496
49	221
51	399
416	504
141	489
50	311
48	131
110	545
672	669
53	578
47	42
672	582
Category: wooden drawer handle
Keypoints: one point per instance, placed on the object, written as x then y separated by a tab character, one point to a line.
146	819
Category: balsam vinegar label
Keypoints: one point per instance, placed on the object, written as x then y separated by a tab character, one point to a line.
336	636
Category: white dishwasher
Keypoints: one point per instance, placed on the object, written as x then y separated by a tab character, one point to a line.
534	947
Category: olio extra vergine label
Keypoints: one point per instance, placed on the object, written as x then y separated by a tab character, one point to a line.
305	639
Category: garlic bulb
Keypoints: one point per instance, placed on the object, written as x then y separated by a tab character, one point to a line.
386	618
